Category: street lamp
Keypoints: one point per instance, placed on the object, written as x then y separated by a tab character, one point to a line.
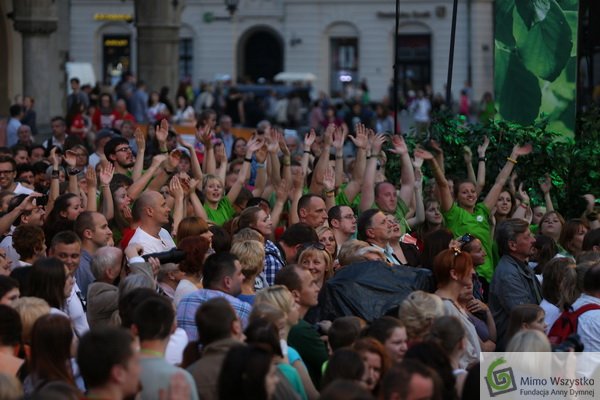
232	6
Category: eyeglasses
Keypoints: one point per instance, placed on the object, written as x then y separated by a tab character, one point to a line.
349	216
123	149
6	172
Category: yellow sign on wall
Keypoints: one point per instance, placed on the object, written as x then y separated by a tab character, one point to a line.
113	17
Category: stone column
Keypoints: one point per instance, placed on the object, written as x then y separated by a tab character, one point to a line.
36	20
158	23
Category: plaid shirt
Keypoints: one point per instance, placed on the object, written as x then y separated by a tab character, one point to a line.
186	310
274	261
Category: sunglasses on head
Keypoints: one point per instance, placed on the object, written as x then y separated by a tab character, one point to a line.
466	238
311	245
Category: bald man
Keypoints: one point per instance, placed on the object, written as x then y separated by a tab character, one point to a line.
151	210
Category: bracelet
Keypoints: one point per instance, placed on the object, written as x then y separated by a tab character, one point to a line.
512	160
104	186
482	159
330	193
164	151
248	159
73	171
287	163
307	152
55	174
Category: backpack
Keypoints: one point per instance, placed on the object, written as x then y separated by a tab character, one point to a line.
566	324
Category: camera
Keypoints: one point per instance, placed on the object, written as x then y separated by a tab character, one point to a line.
174	256
41	200
572	342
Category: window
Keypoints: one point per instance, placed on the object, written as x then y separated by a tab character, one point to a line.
186	58
116	56
414	61
344	63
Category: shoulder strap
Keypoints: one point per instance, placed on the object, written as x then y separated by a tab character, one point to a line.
583	309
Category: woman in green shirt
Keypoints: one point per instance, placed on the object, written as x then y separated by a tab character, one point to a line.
466	215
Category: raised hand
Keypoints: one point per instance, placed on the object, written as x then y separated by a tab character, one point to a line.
417	161
220	154
70	158
162	131
127	214
55	158
399	145
523	194
106	174
338	138
360	138
173	159
175	188
185	144
328	135
545	184
467	154
283	190
140	139
482	148
436	146
273	143
253	145
377	143
329	179
282	144
423	154
522	150
158	159
309	139
90	177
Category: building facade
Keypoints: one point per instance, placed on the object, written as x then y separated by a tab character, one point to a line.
336	40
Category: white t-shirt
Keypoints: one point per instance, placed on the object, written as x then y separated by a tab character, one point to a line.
20	189
152	244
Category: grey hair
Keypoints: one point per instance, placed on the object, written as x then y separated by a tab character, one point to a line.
104	259
508	231
164	270
135	281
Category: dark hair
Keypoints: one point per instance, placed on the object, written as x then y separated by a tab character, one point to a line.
434	356
64	237
435	242
27	240
344	363
395	381
343	332
261	332
305	200
154	318
591	239
216	267
214	319
9	159
519	315
84	221
546	249
10	326
343	389
365	221
288	276
51	339
15	110
47	281
221	240
569	231
111	145
100	349
196	248
299	233
591	282
471	384
243	373
129	302
17	148
507	231
55	222
335	212
7	284
382	328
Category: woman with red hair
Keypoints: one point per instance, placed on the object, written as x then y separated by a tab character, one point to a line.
453	270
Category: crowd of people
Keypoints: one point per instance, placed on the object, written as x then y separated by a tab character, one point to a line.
134	263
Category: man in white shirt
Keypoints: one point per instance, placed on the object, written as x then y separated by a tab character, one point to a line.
22	210
588	325
151	210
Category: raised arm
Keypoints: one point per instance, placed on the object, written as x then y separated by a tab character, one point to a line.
197	205
221	156
445	195
468	157
55	181
168	170
178	208
309	139
546	186
107	204
419	206
329	187
282	193
316	183
139	185
253	145
368	186
523	211
407	177
481	149
361	141
338	145
140	141
439	154
261	171
492	196
71	160
92	183
195	164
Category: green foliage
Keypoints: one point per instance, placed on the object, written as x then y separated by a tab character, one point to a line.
535	62
572	164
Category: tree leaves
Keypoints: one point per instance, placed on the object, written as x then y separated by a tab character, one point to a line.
532	11
520	95
546	46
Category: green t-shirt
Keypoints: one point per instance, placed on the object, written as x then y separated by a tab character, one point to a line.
222	214
342	200
461	222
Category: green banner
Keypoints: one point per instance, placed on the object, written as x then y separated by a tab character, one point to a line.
536	62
